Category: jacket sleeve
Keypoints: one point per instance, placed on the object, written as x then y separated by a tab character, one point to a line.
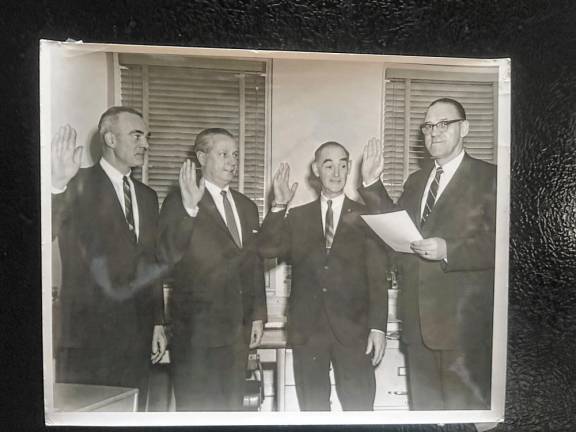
175	229
476	249
260	308
274	236
376	266
62	204
377	199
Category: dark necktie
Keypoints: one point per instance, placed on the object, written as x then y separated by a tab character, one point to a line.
329	226
230	219
431	199
128	208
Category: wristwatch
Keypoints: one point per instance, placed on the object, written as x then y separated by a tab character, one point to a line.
278	206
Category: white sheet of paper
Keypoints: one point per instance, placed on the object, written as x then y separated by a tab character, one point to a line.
396	229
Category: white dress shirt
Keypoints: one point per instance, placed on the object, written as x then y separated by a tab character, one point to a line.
337	204
116	177
219	201
449	169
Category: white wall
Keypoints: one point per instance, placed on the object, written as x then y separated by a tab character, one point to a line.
81	89
318	101
80	92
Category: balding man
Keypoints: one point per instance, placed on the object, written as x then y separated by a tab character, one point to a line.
447	284
105	220
207	232
338	302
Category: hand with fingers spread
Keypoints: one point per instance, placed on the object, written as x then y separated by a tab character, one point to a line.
66	157
432	249
283	192
192	191
372	161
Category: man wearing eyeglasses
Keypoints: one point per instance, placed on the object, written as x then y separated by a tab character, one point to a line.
447	282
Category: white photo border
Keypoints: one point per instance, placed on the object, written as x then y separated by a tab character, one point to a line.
495	414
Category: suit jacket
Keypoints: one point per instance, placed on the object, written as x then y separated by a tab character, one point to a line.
448	304
349	282
110	295
218	287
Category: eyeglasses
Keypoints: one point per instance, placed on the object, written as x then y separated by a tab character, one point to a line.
442	126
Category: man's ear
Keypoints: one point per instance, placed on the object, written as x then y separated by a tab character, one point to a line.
464	128
315	169
201	156
110	139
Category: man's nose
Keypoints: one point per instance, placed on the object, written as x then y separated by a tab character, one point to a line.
435	130
145	143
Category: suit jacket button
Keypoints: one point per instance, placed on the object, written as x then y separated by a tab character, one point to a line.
326	267
324	289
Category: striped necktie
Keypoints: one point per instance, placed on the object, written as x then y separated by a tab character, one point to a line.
230	219
329	226
431	198
128	208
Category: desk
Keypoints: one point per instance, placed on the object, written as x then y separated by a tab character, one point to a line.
83	397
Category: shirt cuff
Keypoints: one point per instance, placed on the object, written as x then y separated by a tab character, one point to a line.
57	191
192	212
364	184
377	330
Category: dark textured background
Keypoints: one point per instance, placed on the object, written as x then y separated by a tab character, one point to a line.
539	36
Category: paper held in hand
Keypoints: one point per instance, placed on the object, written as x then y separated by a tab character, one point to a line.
396	229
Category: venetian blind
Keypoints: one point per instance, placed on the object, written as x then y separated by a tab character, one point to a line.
406	100
179	101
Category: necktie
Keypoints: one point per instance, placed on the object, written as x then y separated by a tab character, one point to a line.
431	198
128	208
230	219
329	226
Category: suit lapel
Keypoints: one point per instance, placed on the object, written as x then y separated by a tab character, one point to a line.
242	215
451	193
415	204
110	201
142	213
317	224
342	223
207	203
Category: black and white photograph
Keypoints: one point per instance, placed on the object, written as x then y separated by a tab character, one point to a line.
272	237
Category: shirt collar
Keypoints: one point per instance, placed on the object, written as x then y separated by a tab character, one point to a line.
114	175
336	201
452	166
214	189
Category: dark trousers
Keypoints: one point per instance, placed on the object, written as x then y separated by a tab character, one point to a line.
447	379
353	372
209	379
115	367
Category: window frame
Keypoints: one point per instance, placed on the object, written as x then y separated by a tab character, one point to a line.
262	66
410	72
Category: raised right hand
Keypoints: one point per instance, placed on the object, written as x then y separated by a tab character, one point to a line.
372	161
66	156
283	192
192	192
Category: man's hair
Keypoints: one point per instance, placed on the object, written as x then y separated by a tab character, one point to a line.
203	141
330	144
454	103
111	115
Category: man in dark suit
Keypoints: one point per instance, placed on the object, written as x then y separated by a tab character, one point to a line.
338	304
447	284
207	231
111	300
